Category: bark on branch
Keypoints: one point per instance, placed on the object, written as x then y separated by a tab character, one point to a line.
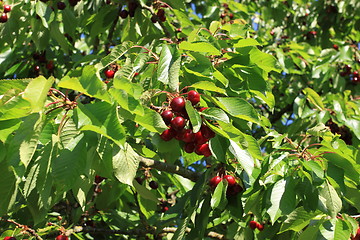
170	168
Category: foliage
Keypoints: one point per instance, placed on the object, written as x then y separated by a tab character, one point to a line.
278	79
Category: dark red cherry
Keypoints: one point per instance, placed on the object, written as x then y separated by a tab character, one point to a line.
7	8
253	224
178	104
61	5
167	116
230	179
189	147
199	138
153	184
260	226
124	13
168	134
203	149
215	181
207	132
178	123
193	97
61	237
3	18
188	136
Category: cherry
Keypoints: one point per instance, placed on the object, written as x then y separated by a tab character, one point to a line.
109	73
50	65
162	18
124	13
61	5
7	8
9	238
233	190
193	97
3	18
61	237
178	123
167	115
164	209
215	181
136	74
253	224
153	185
139	180
189	147
178	104
230	179
199	138
207	132
99	179
168	134
223	15
260	226
357	236
188	136
73	2
355	73
231	15
160	13
336	47
132	7
153	18
37	68
355	79
203	149
179	135
202	109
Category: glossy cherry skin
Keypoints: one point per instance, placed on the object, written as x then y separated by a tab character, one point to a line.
7	8
168	134
230	179
188	136
124	13
178	104
207	132
153	184
203	149
260	226
3	18
199	138
253	224
167	116
215	181
61	237
189	147
178	123
109	73
193	97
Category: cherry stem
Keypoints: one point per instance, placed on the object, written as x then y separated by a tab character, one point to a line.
53	103
149	51
55	90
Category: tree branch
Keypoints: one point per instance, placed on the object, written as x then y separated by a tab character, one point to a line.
170	168
26	228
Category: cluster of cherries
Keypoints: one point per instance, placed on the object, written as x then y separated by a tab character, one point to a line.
233	187
131	12
41	60
254	224
4	17
226	13
176	119
347	71
160	15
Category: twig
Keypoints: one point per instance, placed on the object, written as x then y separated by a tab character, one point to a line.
170	168
25	228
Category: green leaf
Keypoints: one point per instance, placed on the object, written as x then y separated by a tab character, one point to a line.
201	220
239	108
218	144
200	47
125	163
8	191
243	156
36	92
14	84
329	200
218	199
210	86
298	219
101	117
169	66
246	43
314	98
127	101
59	37
116	53
194	116
13	106
263	60
7	127
215	114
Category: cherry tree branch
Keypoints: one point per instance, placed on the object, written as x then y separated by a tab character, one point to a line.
25	228
170	168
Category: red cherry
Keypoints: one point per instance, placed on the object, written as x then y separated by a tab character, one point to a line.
355	79
188	136
336	47
202	109
230	179
153	18
207	132
179	134
109	73
193	97
160	13
136	74
61	237
9	238
189	147
167	115
233	190
164	209
231	15
347	69
203	149
3	18
199	138
215	181
253	224
178	123
178	104
99	179
37	68
168	134
50	65
153	185
61	5
223	15
124	13
356	73
260	226
357	236
7	8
